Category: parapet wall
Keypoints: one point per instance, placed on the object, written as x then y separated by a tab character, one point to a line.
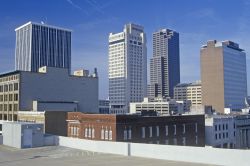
206	155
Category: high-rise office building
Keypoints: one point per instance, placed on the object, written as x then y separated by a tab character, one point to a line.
223	75
127	68
40	45
165	64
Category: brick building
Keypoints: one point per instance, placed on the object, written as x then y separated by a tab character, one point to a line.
186	130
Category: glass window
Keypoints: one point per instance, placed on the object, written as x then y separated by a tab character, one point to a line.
110	134
150	131
174	129
102	133
143	132
166	129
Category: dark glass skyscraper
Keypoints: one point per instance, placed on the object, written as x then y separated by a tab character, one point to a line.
40	45
165	64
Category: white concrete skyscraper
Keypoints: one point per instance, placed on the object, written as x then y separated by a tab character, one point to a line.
40	45
127	68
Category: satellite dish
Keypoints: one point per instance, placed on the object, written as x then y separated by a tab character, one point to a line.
42	22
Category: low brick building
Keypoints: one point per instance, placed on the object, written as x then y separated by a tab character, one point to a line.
186	130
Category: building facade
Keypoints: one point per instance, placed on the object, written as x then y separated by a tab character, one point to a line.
165	64
185	130
50	89
223	75
127	68
228	131
161	107
40	45
191	92
104	106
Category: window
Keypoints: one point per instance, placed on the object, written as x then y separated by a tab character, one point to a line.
110	134
125	134
196	140
175	141
86	133
184	141
184	128
166	129
215	136
219	127
196	127
157	131
129	133
15	86
219	135
174	129
223	135
10	87
215	127
226	126
106	134
89	132
93	132
143	132
223	127
10	97
102	133
15	97
6	88
150	131
166	142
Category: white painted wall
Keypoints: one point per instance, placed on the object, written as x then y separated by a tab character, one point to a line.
95	146
1	139
206	155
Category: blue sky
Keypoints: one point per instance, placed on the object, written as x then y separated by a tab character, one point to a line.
92	20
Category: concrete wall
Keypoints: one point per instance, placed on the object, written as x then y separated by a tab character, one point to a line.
95	146
12	135
1	139
206	155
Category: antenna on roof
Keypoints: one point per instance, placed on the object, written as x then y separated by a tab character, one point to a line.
42	22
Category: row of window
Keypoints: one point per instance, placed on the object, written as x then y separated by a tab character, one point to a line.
8	107
220	127
9	87
9	97
157	129
9	78
89	132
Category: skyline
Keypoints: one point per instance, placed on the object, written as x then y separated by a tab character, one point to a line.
92	21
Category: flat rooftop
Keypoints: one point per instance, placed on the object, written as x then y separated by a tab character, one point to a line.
59	156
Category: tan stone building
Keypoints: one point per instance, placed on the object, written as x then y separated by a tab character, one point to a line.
189	91
223	75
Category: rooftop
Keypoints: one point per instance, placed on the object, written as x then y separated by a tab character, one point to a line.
44	25
59	156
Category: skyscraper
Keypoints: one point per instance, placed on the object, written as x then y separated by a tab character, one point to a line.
40	45
165	64
127	68
223	75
